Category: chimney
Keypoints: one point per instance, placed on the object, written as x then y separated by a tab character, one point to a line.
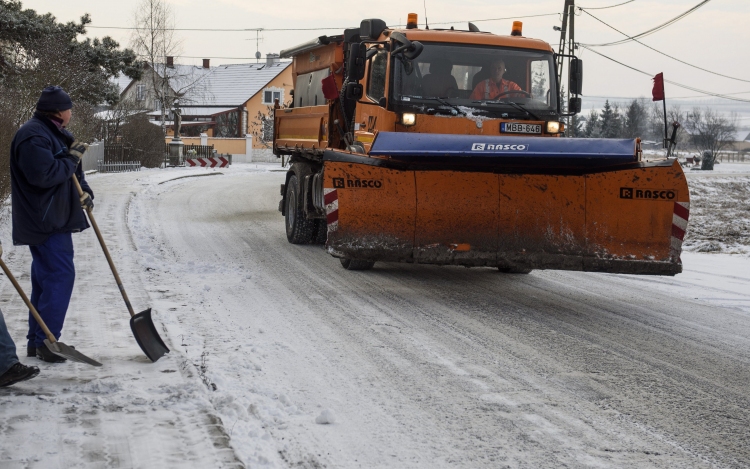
271	59
206	63
170	61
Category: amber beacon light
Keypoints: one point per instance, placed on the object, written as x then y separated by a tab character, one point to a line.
517	29
411	21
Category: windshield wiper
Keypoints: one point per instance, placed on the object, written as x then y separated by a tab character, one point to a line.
441	101
522	108
511	103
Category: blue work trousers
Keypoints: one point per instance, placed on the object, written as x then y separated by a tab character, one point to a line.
8	355
52	278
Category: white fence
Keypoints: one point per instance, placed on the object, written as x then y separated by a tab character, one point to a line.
119	167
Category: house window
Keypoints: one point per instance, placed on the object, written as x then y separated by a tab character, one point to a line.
272	94
140	92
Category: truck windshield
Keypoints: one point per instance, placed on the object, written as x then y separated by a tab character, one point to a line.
474	78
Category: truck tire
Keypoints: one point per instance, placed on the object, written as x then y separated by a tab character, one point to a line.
356	264
514	270
321	235
299	230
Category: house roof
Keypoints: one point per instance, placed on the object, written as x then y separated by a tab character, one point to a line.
122	81
215	89
233	85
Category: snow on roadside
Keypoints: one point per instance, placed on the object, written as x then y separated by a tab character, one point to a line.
129	412
719	210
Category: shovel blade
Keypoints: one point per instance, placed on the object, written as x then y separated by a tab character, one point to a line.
66	351
146	335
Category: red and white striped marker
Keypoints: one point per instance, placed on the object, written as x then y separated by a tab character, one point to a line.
331	199
679	226
217	162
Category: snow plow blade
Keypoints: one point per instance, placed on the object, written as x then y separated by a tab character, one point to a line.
508	202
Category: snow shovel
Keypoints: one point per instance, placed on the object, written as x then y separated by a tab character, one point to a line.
58	348
141	324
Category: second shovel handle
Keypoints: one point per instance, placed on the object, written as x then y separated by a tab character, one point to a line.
106	251
26	300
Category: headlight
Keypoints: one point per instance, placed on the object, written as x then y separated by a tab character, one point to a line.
408	118
553	127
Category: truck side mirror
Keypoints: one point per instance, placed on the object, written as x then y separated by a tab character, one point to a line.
574	105
576	76
356	63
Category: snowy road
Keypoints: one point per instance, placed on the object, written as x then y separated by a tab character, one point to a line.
417	366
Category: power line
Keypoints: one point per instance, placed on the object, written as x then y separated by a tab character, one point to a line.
214	29
131	28
709	93
671	97
611	6
497	19
654	29
660	52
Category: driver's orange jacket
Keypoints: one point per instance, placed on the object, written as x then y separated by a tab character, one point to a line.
488	89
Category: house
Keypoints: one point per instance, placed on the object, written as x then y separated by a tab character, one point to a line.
742	142
222	101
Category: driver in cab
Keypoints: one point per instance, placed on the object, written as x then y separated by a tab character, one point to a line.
495	86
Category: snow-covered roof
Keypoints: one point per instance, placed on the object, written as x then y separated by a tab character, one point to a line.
122	81
233	85
183	77
216	89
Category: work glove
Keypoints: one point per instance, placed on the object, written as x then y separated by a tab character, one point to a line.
86	202
77	149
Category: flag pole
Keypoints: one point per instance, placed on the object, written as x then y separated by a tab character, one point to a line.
664	101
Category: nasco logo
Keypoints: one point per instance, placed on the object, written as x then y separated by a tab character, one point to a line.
341	183
499	147
647	194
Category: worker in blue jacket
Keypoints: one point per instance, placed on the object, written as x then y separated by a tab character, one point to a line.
46	209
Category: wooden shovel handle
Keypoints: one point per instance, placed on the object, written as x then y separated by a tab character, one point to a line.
104	248
26	300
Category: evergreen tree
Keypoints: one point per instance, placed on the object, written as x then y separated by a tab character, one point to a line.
636	120
610	121
592	128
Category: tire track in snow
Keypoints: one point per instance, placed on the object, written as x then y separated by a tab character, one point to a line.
446	366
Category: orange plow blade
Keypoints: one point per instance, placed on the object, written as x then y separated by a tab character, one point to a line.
605	220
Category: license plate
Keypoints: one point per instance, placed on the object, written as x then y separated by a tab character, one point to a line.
516	128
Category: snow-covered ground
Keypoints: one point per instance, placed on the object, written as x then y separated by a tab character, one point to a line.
280	358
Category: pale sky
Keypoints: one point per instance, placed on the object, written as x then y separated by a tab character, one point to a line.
715	37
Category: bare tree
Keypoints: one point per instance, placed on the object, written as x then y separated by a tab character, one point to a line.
710	132
154	39
261	128
116	117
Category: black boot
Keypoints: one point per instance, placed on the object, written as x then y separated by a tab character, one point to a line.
18	372
44	354
31	350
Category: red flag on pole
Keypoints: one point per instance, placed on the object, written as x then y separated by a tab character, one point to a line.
658	91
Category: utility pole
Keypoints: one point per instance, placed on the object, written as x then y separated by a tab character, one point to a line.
567	44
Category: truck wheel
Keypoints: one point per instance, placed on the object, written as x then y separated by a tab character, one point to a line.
514	270
299	230
356	264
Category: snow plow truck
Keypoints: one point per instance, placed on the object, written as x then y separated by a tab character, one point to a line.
446	147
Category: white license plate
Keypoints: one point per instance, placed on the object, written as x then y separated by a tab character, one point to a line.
516	128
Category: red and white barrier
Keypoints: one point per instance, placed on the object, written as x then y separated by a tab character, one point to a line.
216	162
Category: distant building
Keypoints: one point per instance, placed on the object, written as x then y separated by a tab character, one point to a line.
220	101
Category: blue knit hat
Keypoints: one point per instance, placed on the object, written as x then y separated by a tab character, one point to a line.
53	99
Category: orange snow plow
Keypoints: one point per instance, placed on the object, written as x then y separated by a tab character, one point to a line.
399	154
